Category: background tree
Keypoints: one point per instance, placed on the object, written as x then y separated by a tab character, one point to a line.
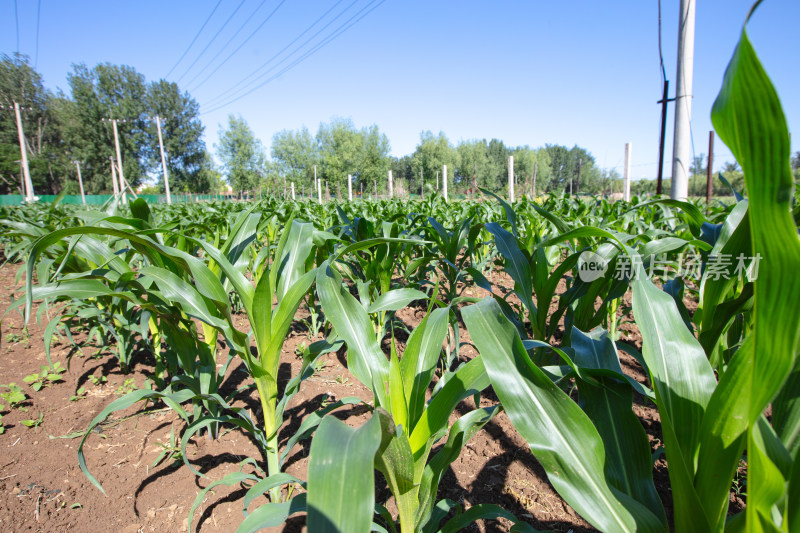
190	167
375	159
20	83
341	147
242	155
431	153
294	154
105	92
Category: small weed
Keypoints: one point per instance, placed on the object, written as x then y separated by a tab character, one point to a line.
35	423
15	338
14	396
46	377
79	394
128	386
169	451
97	381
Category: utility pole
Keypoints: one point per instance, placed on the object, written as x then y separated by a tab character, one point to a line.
163	160
626	195
709	171
664	100
80	181
349	188
114	176
26	171
681	150
578	182
119	161
444	182
391	186
511	179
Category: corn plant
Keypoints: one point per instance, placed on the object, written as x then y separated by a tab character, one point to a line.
708	420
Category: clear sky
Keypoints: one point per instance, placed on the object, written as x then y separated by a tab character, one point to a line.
568	72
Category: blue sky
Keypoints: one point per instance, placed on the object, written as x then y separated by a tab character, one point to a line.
567	72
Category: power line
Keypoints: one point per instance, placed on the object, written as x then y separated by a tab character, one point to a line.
332	36
203	51
16	17
194	40
38	13
246	79
238	47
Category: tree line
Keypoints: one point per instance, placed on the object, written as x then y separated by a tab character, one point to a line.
62	128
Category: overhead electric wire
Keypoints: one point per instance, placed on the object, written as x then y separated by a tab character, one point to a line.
237	48
203	51
327	40
16	17
243	81
194	40
38	13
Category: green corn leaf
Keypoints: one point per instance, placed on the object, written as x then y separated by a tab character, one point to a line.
341	483
561	436
395	299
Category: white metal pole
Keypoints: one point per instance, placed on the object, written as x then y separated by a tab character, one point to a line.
163	161
511	179
391	186
681	148
80	181
444	182
627	178
349	188
26	171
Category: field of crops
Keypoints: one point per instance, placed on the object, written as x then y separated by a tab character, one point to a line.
557	364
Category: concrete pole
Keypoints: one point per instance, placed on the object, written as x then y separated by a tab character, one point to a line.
119	162
421	185
533	185
391	186
80	181
319	190
114	176
511	179
292	190
627	177
682	144
26	171
437	181
163	161
709	169
349	188
444	182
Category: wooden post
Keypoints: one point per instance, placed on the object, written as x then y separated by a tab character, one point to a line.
511	179
80	181
349	188
626	195
26	171
163	160
391	186
710	171
444	182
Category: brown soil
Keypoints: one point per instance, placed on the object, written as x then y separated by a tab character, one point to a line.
43	488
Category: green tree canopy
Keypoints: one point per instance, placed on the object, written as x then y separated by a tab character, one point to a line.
432	152
242	154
